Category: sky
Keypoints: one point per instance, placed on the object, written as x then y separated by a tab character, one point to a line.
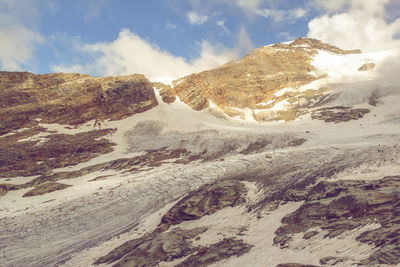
174	38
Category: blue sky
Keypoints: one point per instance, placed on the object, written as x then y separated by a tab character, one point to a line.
172	38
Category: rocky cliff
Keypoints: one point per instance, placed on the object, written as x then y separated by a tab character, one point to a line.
26	98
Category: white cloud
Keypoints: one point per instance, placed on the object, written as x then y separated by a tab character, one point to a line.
130	53
276	15
221	23
257	7
196	19
279	15
18	42
298	13
355	24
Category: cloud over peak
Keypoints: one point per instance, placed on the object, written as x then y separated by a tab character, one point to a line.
130	53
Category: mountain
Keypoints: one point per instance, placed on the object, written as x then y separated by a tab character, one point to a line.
286	157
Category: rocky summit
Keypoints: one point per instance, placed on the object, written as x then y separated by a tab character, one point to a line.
287	157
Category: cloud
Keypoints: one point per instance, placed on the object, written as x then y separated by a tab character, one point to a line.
248	4
196	19
93	8
18	42
276	15
170	26
255	7
355	24
298	13
221	23
130	53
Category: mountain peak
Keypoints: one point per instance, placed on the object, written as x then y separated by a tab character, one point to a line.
276	82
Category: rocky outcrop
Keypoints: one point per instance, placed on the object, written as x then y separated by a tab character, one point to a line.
317	44
338	114
367	66
205	201
21	156
227	248
45	188
337	207
295	265
167	93
152	249
26	98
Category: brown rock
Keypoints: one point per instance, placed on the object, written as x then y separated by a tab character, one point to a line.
69	98
26	158
227	248
205	201
167	93
338	114
367	66
45	188
295	265
331	260
152	249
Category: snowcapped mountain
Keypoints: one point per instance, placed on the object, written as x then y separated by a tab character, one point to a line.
287	157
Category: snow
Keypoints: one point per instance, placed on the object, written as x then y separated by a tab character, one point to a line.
265	103
164	80
282	105
283	91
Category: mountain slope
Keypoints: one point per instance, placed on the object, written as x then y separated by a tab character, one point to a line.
277	82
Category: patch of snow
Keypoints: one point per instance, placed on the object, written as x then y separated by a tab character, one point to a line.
164	80
265	103
282	105
284	91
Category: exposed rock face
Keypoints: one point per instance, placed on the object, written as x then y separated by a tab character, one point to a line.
167	93
205	201
338	114
367	66
341	206
295	265
152	249
46	188
69	98
208	255
25	157
254	81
